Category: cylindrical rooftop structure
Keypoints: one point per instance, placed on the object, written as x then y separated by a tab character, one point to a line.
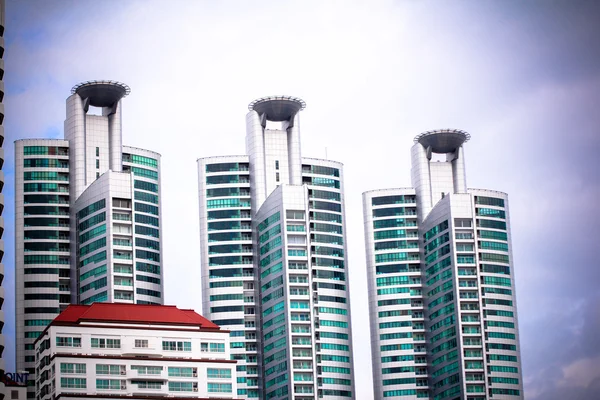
443	140
278	108
101	93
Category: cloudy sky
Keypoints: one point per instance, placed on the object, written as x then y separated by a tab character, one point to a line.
522	77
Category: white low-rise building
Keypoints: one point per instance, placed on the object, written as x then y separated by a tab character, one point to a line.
132	351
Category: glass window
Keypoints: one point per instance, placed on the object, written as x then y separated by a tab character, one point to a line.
108	369
141	160
94	220
45	176
327	228
145	173
269	221
72	368
147	369
105	343
502	258
182	371
320	181
227	203
97	284
393	223
489	201
490	212
111	384
219	373
182	386
463	223
221	167
324	205
321	170
176	345
45	163
73	383
217	347
488	223
493	235
225	179
143	185
68	341
493	246
147	384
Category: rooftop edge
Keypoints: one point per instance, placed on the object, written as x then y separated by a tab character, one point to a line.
443	140
278	108
101	93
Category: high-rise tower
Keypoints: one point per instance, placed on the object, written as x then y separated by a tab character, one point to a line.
274	260
441	282
87	217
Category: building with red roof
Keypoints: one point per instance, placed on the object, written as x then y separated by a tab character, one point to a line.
108	350
11	389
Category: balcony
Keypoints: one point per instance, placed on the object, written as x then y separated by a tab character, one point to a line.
122	256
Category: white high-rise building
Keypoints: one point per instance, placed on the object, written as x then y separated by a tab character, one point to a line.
274	260
441	282
126	351
87	217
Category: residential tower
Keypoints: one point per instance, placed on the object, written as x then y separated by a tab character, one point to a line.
274	260
441	282
87	217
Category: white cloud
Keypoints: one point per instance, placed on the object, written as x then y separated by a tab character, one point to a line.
581	372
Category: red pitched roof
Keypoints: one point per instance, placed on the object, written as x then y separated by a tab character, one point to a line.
133	313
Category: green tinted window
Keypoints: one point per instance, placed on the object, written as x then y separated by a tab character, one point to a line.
489	201
45	176
92	208
145	173
225	179
147	197
269	221
141	160
493	235
488	223
143	185
221	167
45	163
94	220
45	150
490	212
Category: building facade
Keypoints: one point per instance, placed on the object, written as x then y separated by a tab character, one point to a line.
274	260
10	389
87	217
126	351
441	282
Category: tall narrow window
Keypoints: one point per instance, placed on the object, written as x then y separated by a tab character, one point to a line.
277	176
277	164
97	151
97	163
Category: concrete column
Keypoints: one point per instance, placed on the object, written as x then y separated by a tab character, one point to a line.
255	148
75	134
294	151
459	174
421	179
115	145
